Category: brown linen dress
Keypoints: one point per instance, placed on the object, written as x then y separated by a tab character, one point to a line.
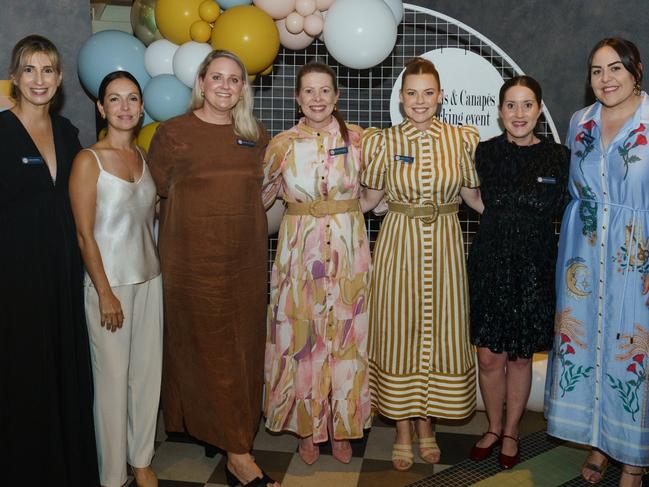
213	241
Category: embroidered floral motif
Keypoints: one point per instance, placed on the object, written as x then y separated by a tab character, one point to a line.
627	146
637	246
588	212
636	348
585	138
570	330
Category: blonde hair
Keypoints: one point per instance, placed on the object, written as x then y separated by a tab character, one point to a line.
24	49
245	123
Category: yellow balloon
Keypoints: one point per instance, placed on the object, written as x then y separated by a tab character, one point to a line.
209	11
267	71
146	134
175	17
250	33
200	31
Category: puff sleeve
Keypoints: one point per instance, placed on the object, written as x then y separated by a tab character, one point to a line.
160	159
373	155
278	151
470	139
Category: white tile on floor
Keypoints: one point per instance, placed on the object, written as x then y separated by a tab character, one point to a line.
476	425
184	461
326	472
284	442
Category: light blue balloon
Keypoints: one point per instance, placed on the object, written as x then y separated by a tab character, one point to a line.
165	97
225	4
108	51
146	120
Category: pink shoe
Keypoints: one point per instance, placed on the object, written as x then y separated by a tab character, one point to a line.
340	453
308	455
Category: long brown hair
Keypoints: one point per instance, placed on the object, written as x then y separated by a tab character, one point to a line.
316	67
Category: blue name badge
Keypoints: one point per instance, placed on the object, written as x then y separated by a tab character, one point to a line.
546	180
406	159
338	151
32	160
245	143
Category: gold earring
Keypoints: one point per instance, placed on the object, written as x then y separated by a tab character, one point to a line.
637	89
299	110
202	94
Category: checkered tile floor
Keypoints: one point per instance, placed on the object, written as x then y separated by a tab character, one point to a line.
182	463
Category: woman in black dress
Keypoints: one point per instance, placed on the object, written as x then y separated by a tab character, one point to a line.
511	262
45	383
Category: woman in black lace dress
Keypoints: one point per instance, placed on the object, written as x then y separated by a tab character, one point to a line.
512	259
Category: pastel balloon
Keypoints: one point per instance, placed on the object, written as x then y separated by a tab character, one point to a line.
397	9
277	9
175	17
313	24
305	7
166	97
146	120
145	135
360	33
294	23
200	31
187	59
225	4
143	21
108	51
250	33
158	57
324	4
209	11
295	42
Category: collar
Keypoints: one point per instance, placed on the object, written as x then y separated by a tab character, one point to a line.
331	128
593	113
412	132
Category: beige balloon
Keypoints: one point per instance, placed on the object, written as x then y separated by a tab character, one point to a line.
324	4
313	24
143	21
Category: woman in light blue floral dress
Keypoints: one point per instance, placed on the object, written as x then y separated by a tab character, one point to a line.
597	391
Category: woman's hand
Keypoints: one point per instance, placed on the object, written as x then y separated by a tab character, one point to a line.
111	312
472	198
370	198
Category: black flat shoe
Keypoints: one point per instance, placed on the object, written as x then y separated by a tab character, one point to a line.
233	481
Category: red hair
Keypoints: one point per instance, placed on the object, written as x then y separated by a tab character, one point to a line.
419	65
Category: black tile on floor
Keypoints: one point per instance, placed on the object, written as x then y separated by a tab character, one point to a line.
455	447
381	473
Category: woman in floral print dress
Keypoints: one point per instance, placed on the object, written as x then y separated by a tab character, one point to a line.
316	371
597	391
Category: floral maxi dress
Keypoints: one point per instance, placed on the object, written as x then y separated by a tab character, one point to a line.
596	390
316	368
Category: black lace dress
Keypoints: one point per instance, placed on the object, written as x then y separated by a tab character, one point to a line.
512	257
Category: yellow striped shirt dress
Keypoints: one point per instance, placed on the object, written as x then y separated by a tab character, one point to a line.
421	361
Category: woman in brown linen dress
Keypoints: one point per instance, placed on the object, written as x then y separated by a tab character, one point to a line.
207	166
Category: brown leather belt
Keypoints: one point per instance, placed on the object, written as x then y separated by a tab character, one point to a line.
426	211
320	208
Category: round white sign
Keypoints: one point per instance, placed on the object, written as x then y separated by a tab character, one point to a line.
470	84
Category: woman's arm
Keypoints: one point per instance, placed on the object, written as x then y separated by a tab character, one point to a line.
472	198
370	198
83	196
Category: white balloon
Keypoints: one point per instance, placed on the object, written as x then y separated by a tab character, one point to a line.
158	57
397	9
295	42
187	59
324	4
313	24
294	23
360	33
305	7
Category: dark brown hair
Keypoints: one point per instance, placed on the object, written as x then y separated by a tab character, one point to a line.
316	67
419	65
628	52
523	80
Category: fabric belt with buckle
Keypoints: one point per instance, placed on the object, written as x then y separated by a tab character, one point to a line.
426	211
320	208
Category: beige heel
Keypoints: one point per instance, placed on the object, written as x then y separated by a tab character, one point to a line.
402	453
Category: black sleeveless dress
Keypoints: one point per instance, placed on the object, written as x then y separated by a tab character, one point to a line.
512	257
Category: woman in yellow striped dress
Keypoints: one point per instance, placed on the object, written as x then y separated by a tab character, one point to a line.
421	361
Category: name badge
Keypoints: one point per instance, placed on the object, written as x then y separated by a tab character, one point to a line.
245	143
338	151
546	180
32	160
406	159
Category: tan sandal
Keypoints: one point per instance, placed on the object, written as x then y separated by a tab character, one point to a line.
402	453
639	473
598	469
427	448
